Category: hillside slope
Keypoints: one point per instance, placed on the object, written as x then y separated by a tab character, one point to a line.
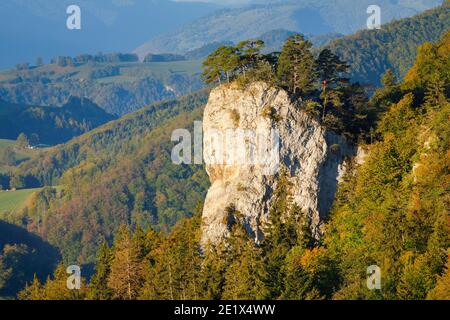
119	173
391	214
393	210
52	125
371	52
117	86
308	17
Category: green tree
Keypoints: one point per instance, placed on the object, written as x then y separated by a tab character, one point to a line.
5	273
32	291
249	53
296	66
213	269
223	62
175	268
245	275
22	141
55	288
332	75
98	287
435	91
287	227
388	80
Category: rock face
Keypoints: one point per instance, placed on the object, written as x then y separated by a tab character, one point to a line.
311	156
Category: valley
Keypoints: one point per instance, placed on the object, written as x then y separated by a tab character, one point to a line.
87	175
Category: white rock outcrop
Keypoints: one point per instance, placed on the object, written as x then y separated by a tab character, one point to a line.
312	156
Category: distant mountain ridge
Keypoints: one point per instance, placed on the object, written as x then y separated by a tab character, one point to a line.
32	29
308	17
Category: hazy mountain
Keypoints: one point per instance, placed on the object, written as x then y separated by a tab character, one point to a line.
308	17
29	29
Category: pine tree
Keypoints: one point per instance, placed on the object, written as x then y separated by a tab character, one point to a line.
5	273
174	271
98	287
435	93
55	288
22	141
246	273
212	277
127	267
296	66
332	75
388	80
332	70
223	62
249	53
32	291
286	227
211	68
442	289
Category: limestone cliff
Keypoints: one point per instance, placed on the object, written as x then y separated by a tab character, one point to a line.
312	157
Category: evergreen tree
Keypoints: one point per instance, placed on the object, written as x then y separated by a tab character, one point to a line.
55	288
435	91
223	62
5	273
32	291
98	287
249	53
287	227
213	269
127	267
331	70
245	275
22	141
332	75
175	270
442	289
296	66
388	80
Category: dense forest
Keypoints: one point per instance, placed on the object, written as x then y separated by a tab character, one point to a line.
23	255
51	125
372	52
115	82
120	173
112	196
391	210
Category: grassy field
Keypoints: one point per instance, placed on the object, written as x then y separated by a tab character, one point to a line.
21	155
128	70
13	200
